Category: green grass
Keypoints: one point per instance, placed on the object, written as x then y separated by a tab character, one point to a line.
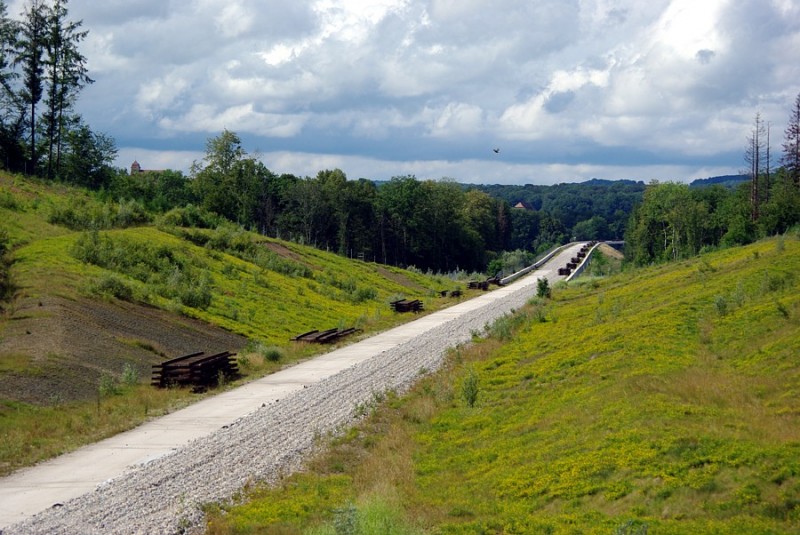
225	276
635	406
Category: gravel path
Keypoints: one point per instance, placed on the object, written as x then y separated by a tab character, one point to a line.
165	495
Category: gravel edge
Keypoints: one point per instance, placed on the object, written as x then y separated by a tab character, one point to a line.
166	495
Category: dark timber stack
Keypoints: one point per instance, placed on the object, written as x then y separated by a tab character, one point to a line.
195	369
324	337
404	305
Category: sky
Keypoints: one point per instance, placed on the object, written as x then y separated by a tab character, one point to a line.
567	90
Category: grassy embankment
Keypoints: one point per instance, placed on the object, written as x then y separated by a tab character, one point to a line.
264	289
665	400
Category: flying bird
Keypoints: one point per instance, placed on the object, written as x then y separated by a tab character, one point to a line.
496	151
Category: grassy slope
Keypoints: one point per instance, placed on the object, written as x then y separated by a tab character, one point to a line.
247	299
667	399
265	306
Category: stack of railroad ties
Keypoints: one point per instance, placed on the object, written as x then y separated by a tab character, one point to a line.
406	305
573	263
324	337
484	285
196	369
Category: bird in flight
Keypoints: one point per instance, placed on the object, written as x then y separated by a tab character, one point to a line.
496	151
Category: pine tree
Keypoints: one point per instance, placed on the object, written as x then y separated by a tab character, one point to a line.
754	156
66	75
30	57
791	144
11	123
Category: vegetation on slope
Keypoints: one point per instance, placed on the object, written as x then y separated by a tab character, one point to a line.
665	400
77	267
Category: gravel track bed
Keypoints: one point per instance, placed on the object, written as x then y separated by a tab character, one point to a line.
166	494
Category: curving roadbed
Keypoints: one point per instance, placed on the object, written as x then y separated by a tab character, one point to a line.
269	436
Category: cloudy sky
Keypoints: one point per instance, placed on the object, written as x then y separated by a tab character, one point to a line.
566	89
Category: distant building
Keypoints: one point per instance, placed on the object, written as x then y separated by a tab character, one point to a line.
522	205
136	169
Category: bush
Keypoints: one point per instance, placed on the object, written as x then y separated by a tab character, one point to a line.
113	286
166	270
6	286
9	201
543	288
130	213
130	375
721	304
191	216
269	353
83	215
470	388
108	386
360	295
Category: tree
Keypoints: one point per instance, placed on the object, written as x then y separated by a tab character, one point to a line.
397	202
65	75
594	228
12	152
88	159
756	159
668	225
30	57
215	184
791	144
782	211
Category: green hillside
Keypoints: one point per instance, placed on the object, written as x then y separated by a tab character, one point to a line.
665	400
101	291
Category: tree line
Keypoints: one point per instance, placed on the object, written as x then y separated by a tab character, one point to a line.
437	225
674	221
42	73
431	224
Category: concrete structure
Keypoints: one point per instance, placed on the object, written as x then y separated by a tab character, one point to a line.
32	490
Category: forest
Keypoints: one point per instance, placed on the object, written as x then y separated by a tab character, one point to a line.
674	221
437	225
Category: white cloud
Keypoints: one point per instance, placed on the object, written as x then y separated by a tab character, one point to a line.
234	19
575	85
457	119
243	118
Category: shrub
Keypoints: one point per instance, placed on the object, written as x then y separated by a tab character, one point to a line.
270	354
83	215
543	288
9	201
721	304
108	386
266	259
113	286
191	216
6	286
360	295
130	375
470	388
171	274
130	213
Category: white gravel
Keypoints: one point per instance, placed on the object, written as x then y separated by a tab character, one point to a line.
165	495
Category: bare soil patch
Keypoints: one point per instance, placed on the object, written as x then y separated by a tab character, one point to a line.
285	252
68	345
399	279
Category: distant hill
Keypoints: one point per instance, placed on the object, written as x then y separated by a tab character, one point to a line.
728	181
571	203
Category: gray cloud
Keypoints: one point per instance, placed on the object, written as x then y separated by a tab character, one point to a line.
404	82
